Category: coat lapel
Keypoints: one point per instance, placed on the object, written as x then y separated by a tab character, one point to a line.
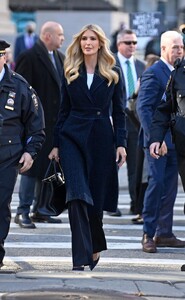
97	82
43	55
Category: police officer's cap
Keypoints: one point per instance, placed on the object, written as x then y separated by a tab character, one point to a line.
3	46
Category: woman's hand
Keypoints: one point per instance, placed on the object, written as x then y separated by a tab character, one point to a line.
54	154
121	156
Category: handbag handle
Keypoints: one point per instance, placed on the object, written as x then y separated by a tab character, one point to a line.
52	165
55	163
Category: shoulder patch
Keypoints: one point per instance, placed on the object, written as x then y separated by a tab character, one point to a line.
35	101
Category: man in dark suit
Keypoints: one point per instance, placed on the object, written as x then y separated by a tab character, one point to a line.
25	40
126	44
161	192
44	75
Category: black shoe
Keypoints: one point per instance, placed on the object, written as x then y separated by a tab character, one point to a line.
117	213
24	221
95	262
80	268
183	268
1	264
44	219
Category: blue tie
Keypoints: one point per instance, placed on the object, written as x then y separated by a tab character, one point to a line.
51	55
131	85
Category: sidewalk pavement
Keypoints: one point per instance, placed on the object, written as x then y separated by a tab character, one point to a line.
50	285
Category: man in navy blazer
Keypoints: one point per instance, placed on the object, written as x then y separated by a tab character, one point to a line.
126	44
161	192
26	40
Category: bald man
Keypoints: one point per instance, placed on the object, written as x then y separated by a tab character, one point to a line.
42	66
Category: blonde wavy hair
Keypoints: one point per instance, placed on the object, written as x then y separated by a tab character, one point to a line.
74	56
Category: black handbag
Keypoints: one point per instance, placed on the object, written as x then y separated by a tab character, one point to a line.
52	201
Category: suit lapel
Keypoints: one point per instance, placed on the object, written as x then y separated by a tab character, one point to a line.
165	68
139	71
44	57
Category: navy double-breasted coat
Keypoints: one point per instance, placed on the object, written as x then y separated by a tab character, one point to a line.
87	140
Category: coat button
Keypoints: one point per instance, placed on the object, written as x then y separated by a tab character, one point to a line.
98	113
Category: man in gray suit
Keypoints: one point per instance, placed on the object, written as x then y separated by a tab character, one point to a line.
126	44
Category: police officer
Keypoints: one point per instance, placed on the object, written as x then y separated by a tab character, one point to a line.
174	103
21	136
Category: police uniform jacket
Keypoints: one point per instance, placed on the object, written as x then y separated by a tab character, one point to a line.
22	119
162	116
87	140
36	67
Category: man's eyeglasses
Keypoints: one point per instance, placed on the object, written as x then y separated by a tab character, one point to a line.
129	42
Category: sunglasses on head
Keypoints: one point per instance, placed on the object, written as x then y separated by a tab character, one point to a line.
129	42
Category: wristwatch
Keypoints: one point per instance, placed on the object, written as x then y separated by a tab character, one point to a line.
33	155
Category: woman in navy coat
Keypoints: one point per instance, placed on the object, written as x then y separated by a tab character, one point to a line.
90	140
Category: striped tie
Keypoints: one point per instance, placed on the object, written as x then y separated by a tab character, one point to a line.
131	85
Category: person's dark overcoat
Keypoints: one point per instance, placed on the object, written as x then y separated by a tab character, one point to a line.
36	66
87	140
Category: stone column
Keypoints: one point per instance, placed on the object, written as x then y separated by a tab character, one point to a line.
7	27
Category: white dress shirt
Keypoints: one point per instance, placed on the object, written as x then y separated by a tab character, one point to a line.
123	64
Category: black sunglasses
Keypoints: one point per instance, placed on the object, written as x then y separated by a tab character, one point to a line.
129	42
